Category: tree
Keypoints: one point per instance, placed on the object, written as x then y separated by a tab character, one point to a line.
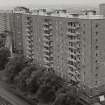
65	99
45	94
33	82
50	83
52	80
24	75
4	57
14	66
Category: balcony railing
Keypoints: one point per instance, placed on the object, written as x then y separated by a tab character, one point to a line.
71	34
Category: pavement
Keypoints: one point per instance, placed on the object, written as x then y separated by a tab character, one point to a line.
8	96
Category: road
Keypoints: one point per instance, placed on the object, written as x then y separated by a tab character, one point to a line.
4	102
9	97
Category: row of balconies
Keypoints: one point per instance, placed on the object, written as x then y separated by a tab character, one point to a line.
48	47
29	38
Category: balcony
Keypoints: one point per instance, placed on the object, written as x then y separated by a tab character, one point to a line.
77	72
47	22
46	34
29	30
47	31
29	20
74	27
71	59
47	39
29	36
71	72
48	49
78	59
48	54
45	60
71	34
49	26
72	66
28	25
73	79
50	34
48	44
78	33
31	45
49	58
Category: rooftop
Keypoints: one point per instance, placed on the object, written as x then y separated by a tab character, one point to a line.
91	17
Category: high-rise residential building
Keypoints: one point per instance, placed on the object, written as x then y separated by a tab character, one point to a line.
71	46
17	33
4	22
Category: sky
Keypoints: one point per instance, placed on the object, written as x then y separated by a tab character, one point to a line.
4	3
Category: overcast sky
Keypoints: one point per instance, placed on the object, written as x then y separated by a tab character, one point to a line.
47	2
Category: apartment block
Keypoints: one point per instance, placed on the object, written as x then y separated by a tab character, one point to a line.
71	46
4	21
17	33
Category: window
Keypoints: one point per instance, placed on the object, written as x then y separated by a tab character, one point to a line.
83	32
96	82
96	33
71	56
96	47
84	25
97	68
96	40
20	43
70	23
96	74
96	54
96	25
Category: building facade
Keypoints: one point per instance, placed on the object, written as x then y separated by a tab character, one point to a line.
93	56
54	42
73	47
